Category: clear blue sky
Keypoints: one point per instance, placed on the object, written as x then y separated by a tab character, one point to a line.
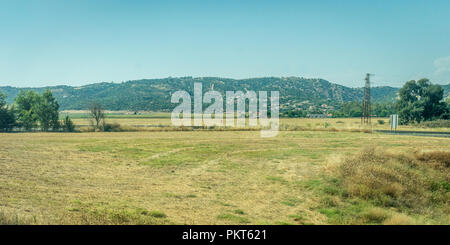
78	42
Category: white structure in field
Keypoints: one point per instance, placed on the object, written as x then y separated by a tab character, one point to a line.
394	122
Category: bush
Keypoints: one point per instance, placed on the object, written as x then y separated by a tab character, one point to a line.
440	123
68	125
111	127
399	219
378	187
381	122
394	180
439	157
157	214
376	215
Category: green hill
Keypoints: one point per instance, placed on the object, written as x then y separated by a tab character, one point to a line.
155	94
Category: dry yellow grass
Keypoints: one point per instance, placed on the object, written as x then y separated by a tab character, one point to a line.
198	177
328	124
399	219
380	186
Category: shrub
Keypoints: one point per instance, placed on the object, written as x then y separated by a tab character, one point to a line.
440	123
399	219
68	125
439	157
111	127
381	122
378	187
376	215
157	214
402	181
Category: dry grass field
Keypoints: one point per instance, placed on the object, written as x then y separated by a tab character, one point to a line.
156	120
224	177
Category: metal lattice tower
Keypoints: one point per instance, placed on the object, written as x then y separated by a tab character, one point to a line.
366	111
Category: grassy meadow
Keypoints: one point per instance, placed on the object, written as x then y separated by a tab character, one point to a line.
154	121
301	176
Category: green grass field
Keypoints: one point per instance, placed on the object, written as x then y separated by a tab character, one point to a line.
216	177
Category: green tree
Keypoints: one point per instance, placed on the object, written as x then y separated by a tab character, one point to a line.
420	101
26	110
7	118
296	113
349	109
383	109
446	115
47	111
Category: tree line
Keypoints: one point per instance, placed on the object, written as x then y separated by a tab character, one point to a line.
418	101
354	109
33	111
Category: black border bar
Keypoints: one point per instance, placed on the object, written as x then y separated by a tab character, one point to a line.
301	234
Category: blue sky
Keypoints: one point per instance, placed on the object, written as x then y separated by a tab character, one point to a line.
79	42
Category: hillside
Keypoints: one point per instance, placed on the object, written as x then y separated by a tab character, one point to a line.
155	94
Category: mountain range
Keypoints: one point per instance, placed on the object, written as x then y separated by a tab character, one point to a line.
155	94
